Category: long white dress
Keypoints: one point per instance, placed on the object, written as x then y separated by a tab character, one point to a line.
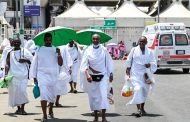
76	57
138	61
18	87
64	76
45	68
100	60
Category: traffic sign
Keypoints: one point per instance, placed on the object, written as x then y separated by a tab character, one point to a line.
110	23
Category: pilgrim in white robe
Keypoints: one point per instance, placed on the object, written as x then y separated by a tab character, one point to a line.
76	57
136	60
100	60
6	50
18	86
45	68
30	45
64	76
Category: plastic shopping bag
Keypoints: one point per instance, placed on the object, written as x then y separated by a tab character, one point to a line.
5	82
148	76
128	89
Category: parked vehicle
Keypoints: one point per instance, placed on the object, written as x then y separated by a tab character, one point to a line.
170	44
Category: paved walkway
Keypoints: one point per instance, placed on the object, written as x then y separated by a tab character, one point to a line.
75	109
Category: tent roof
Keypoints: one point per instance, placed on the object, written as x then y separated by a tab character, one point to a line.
3	20
78	10
128	9
177	10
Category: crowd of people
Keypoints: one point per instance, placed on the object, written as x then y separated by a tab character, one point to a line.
53	68
117	51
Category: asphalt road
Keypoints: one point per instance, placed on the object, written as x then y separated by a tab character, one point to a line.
169	101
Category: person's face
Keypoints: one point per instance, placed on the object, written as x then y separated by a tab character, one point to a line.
71	44
142	42
16	43
48	41
95	40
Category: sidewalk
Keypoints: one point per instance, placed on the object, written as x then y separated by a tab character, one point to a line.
75	109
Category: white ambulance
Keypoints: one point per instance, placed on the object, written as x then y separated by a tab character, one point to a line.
171	45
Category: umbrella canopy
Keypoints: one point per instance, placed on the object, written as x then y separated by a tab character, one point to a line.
60	36
85	36
112	44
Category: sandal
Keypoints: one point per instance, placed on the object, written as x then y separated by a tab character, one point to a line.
58	105
44	119
71	91
18	112
75	91
24	112
51	115
144	112
139	113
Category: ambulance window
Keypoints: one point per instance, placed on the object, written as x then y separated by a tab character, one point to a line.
166	40
181	39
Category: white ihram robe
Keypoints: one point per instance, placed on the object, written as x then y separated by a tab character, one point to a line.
137	72
18	87
64	76
6	50
45	68
100	60
76	57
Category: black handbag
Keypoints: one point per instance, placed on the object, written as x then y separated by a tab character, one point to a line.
96	78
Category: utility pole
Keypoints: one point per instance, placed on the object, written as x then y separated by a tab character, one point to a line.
17	22
22	22
158	11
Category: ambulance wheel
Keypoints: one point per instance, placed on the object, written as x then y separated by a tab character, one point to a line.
185	70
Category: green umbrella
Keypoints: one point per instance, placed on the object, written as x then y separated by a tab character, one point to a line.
5	82
85	36
60	36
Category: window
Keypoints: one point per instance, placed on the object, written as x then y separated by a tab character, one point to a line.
166	40
181	39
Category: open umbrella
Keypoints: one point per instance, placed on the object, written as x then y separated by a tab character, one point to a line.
60	36
85	36
112	44
4	82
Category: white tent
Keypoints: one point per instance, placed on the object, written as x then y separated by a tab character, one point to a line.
78	10
130	23
128	15
78	16
176	10
176	13
129	10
